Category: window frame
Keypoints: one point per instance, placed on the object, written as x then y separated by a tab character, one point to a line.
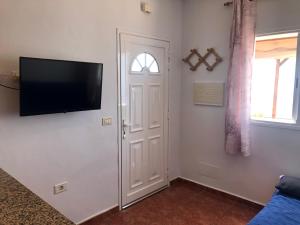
145	67
295	123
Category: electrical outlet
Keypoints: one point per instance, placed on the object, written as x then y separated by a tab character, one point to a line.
59	188
106	121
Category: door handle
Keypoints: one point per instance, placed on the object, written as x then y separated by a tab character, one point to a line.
124	126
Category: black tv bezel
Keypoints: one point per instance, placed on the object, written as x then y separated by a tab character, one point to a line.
22	114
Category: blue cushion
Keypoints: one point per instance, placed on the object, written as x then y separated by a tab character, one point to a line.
281	210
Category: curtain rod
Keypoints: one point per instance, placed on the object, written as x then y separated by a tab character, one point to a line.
231	2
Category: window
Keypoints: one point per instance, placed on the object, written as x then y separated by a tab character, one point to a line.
274	80
144	62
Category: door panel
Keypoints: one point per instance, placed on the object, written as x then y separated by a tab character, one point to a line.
144	98
155	164
137	152
154	106
136	107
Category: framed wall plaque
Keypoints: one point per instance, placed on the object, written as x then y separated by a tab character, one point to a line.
209	93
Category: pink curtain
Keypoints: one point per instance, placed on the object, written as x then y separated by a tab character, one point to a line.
237	133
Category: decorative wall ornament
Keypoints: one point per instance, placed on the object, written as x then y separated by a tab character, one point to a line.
203	59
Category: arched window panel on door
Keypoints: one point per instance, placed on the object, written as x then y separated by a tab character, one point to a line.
144	62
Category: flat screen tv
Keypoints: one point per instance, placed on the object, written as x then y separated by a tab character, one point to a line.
58	86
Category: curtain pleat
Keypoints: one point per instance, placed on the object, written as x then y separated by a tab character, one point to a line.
242	42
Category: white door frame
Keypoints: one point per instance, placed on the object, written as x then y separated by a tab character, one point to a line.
119	108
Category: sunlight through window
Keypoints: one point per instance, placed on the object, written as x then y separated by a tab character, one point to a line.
273	80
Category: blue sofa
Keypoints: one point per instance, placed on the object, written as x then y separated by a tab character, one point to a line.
281	210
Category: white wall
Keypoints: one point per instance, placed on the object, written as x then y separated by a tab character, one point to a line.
274	151
44	150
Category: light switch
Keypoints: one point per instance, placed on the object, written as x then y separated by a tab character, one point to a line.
106	121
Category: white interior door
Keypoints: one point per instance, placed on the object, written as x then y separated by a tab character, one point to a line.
144	99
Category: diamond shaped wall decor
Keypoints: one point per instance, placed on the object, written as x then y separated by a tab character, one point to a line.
202	59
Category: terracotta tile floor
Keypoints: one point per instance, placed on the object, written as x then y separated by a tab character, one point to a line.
184	203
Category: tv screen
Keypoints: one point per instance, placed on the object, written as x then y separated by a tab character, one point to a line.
57	86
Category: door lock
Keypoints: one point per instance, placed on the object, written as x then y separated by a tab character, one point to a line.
124	126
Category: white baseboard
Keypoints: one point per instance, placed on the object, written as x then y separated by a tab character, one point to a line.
183	178
97	214
221	190
175	178
106	210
